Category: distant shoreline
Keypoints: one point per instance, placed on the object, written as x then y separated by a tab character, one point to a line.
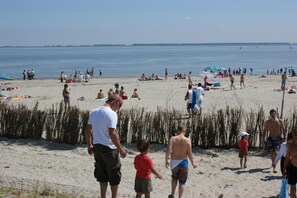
161	44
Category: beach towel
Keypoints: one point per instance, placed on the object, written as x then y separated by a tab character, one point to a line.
194	98
101	99
124	97
284	189
82	98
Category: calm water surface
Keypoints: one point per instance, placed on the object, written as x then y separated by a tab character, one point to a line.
125	61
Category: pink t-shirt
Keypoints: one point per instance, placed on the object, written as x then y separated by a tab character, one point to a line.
143	165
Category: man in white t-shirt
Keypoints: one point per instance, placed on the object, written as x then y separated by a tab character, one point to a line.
103	141
200	96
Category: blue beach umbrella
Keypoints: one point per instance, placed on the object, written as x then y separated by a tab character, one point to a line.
207	68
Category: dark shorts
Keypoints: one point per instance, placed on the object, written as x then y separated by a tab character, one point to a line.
273	143
241	154
143	185
292	174
180	172
189	106
107	165
66	100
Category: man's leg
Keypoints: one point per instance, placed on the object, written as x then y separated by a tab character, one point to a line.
293	191
103	189
273	155
114	191
173	186
181	189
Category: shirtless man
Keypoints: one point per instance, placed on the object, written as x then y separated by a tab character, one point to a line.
232	81
291	168
276	135
178	150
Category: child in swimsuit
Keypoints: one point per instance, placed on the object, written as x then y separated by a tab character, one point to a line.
178	151
66	95
144	166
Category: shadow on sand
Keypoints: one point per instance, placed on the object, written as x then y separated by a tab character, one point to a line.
42	143
240	171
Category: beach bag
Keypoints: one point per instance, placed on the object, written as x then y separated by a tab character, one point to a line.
284	189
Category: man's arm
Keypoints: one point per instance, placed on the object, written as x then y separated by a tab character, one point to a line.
187	96
88	135
155	172
190	155
168	153
115	140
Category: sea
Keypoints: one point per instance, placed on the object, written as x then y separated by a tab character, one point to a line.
138	59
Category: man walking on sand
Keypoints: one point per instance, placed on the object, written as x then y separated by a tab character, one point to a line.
276	135
189	98
178	150
103	141
290	167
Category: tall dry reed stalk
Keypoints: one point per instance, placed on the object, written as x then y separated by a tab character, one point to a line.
260	125
251	127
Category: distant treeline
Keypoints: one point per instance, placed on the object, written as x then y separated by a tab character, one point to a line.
165	44
208	130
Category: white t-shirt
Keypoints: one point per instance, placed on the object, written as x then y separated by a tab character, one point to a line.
101	119
201	92
190	92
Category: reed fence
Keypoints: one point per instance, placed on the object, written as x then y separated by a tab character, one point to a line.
207	130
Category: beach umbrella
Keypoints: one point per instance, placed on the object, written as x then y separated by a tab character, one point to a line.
213	68
207	68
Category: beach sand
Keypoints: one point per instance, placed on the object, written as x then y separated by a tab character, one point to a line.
25	163
68	169
157	94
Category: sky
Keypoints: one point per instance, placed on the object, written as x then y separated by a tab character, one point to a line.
87	22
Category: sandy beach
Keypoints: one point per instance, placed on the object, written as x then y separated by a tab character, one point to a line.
157	94
65	168
68	169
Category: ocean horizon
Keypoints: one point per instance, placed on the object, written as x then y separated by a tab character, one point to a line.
121	60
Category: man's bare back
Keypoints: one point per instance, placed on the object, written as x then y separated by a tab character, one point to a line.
180	146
